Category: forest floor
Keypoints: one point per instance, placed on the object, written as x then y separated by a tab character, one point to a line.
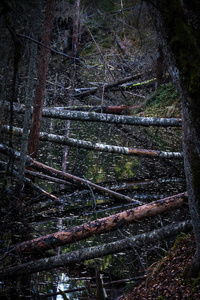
167	277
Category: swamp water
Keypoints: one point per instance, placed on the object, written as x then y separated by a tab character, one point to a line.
144	179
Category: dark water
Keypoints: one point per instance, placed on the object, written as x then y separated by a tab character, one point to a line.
144	179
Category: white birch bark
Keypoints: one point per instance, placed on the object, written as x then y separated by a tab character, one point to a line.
63	140
105	118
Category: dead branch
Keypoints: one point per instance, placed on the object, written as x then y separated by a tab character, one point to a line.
94	285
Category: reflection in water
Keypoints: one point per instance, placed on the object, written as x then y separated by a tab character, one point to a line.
141	178
64	284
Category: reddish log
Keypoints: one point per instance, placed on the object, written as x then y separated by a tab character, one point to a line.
103	225
82	254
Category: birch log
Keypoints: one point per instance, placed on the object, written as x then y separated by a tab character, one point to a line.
63	140
95	252
100	117
99	226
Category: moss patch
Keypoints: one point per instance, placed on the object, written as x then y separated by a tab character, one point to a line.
183	45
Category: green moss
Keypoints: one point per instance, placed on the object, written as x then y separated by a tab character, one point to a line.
183	44
195	284
106	5
165	102
181	237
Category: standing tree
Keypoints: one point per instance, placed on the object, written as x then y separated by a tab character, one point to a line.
28	98
178	26
41	80
73	74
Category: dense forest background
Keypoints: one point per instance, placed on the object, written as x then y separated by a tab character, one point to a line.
90	78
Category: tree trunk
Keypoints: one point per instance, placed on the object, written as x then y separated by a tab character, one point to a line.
191	121
99	285
103	225
76	29
17	52
63	140
178	26
28	102
159	67
4	85
117	110
73	73
122	46
95	252
107	86
105	118
41	80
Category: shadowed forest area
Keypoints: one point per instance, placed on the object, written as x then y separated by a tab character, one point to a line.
99	149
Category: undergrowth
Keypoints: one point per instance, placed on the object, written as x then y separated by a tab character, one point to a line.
164	103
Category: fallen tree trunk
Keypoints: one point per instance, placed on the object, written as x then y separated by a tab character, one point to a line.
105	118
63	140
103	225
122	46
95	252
124	86
132	85
106	86
118	110
62	175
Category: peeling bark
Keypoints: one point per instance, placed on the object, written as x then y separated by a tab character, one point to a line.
103	225
117	110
